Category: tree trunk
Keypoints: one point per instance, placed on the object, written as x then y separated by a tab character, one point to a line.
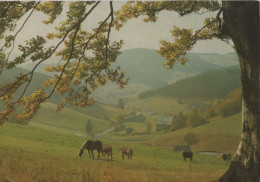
241	19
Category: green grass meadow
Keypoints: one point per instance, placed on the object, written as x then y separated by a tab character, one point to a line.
28	153
46	149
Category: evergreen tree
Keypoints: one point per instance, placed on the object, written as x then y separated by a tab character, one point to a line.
88	127
191	138
121	104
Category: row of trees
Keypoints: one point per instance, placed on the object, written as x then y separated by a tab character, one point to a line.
222	107
226	107
192	119
231	105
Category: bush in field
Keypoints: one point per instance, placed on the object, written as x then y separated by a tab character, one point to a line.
190	138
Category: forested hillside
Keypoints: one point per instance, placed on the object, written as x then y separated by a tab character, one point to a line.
145	69
211	84
146	66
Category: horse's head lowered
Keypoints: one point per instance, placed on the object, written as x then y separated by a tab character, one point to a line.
81	150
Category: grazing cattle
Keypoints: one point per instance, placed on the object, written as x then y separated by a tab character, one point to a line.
127	151
91	145
106	150
226	157
186	154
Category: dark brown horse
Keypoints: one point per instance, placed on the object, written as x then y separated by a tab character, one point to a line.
91	145
106	149
127	151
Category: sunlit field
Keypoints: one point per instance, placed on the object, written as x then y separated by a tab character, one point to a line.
33	154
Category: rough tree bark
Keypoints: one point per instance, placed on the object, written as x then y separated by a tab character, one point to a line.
241	20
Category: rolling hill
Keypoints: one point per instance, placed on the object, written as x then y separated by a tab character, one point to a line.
145	66
141	64
220	134
211	84
67	119
145	69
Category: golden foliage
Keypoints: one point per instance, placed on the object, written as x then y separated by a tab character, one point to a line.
87	56
231	105
31	104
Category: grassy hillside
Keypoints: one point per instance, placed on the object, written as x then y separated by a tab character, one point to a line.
220	134
35	154
68	119
47	149
211	84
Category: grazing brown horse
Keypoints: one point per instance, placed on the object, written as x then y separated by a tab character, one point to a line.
127	151
91	145
186	154
106	149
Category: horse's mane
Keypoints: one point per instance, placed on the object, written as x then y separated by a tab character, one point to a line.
84	143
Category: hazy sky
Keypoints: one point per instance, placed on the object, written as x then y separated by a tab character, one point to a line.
136	33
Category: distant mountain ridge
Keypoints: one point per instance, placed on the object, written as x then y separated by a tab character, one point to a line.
146	66
145	69
210	84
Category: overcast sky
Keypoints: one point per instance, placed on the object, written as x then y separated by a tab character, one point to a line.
136	33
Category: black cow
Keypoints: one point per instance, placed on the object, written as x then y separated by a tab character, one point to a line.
226	157
186	154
